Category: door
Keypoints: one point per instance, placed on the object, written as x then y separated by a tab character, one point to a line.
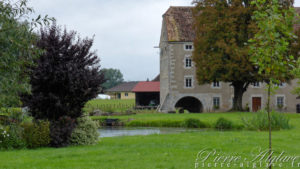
256	104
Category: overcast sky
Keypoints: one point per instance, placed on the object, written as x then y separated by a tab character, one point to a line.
126	31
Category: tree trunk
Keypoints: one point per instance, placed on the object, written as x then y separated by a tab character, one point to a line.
270	127
239	90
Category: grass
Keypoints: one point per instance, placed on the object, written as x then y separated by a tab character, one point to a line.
171	151
174	120
109	105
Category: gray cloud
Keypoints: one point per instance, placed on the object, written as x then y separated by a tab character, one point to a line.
125	30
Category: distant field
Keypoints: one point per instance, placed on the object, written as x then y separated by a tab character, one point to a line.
110	105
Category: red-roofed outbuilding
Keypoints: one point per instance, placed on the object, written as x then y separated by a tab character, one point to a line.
147	87
147	94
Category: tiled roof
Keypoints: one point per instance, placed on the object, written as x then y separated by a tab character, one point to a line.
147	87
123	87
179	23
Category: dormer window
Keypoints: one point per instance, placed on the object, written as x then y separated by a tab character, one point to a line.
188	47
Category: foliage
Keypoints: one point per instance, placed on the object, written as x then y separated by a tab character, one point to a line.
17	50
66	76
36	134
223	124
11	137
260	121
194	123
85	133
271	46
223	29
296	72
13	116
61	130
113	77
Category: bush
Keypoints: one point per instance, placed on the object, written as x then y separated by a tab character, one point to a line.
223	124
37	134
85	133
260	121
11	137
65	77
193	123
61	130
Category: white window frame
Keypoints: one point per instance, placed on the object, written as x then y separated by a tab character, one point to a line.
126	94
253	85
185	62
192	82
283	85
284	100
188	44
231	100
213	100
216	87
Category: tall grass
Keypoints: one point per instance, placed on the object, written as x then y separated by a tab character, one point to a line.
260	121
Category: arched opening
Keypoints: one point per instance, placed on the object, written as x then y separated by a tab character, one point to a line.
191	104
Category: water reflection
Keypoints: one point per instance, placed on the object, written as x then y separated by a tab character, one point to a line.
132	131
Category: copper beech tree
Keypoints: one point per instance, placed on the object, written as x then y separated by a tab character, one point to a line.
221	53
65	77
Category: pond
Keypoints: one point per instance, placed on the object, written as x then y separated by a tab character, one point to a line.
132	131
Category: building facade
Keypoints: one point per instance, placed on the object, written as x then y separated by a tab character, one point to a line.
122	91
178	84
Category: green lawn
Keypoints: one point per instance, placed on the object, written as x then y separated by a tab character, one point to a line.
163	119
109	105
170	151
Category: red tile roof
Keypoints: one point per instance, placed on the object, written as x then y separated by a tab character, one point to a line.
147	87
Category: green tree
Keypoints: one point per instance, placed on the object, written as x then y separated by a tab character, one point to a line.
112	77
296	71
17	49
221	53
270	49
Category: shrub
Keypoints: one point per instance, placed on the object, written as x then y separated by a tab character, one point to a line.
223	124
61	130
11	116
37	134
4	120
85	133
193	123
65	77
260	121
11	137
